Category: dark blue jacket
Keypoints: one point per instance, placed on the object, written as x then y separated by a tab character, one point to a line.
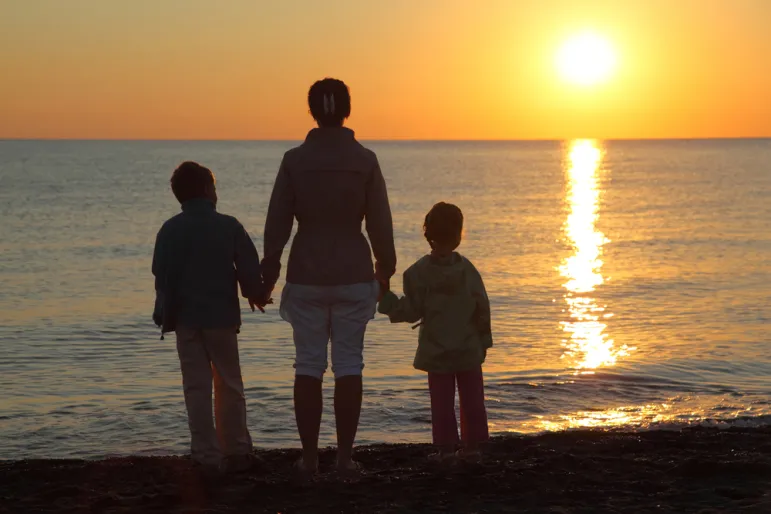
200	258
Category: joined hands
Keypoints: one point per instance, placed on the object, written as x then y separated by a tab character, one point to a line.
260	303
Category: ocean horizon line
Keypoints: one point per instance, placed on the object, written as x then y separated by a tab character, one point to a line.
392	140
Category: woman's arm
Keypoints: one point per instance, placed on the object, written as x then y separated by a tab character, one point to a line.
379	225
278	227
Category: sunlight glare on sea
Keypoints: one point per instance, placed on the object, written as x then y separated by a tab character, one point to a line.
588	345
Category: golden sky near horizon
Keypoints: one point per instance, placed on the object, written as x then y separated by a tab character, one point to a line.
431	69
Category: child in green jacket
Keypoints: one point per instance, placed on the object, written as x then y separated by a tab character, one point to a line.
445	293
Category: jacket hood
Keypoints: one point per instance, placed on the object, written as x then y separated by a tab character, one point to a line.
445	275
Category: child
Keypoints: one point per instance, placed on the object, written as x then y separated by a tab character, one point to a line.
200	258
445	292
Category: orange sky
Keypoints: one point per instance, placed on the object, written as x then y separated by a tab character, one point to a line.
428	69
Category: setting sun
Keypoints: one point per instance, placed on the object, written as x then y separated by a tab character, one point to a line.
586	59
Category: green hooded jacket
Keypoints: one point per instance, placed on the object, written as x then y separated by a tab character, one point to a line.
448	297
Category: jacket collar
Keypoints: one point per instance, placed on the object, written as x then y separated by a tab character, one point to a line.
327	134
447	260
198	205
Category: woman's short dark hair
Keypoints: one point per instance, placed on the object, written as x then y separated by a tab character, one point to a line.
191	180
330	102
443	224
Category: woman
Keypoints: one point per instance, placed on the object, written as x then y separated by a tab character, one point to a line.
330	183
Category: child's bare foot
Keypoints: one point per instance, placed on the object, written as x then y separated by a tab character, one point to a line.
446	454
469	454
241	463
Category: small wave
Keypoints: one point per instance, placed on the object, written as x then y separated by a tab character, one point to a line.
760	421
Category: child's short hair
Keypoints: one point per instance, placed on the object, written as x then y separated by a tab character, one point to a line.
443	224
330	102
191	180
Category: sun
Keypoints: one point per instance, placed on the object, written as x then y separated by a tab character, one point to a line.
586	59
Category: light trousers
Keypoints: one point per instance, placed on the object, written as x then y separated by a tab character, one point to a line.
206	356
321	315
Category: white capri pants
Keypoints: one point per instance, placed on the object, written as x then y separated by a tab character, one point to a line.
320	314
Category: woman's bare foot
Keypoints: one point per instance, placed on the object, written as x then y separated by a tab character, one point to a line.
349	468
305	472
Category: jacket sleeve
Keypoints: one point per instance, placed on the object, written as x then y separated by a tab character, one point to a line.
483	314
160	265
380	225
408	308
247	261
278	226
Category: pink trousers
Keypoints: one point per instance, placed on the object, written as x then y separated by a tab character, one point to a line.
473	416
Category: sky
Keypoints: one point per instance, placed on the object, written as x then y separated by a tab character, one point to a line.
429	69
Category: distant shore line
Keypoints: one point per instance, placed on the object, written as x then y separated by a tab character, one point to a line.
665	470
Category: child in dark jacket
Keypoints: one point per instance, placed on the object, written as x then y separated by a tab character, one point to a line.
200	258
445	292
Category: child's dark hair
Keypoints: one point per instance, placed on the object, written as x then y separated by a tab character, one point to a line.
191	180
330	102
443	224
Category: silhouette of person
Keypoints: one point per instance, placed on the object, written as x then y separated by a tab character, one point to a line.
330	184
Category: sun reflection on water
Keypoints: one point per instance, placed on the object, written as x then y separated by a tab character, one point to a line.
618	417
587	345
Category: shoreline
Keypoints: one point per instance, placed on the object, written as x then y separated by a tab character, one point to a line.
690	470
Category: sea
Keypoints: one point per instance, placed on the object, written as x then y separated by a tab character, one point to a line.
630	284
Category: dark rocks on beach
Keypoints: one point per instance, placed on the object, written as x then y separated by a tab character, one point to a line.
693	470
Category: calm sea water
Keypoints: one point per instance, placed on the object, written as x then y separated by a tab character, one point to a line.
630	284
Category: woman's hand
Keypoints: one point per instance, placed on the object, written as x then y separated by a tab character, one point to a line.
385	286
260	303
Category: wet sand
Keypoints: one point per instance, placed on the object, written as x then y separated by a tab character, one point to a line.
694	470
